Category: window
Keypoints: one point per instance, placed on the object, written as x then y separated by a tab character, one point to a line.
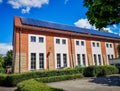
98	45
110	45
108	57
77	42
95	59
33	61
107	45
93	44
58	60
41	39
41	60
63	41
33	39
65	60
99	59
112	56
82	43
57	41
84	60
78	59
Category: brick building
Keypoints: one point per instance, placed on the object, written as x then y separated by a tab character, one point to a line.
42	45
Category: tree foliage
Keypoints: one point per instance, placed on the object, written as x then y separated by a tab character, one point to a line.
8	59
1	61
103	12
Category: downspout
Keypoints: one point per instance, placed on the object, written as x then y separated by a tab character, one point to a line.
71	51
20	49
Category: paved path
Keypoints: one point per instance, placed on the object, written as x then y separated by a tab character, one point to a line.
109	83
8	88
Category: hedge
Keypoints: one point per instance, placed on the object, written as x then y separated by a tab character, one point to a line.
59	78
33	85
13	79
93	71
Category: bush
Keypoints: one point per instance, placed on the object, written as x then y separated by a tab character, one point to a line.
59	78
93	71
2	79
33	85
14	79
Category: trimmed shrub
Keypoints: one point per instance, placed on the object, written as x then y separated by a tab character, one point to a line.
59	78
93	71
2	79
33	85
13	79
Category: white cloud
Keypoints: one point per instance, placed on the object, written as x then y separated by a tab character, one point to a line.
26	5
84	23
1	1
4	47
66	1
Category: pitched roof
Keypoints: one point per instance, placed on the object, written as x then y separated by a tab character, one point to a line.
40	23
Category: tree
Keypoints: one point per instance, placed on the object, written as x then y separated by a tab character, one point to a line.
103	12
1	61
118	48
8	59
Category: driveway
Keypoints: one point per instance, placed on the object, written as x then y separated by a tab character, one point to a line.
109	83
8	88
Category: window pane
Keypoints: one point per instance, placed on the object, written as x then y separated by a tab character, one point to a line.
57	41
110	45
99	59
108	57
78	59
93	44
65	60
84	60
41	39
112	56
63	41
58	60
33	39
77	42
41	60
97	44
95	59
82	43
33	61
107	45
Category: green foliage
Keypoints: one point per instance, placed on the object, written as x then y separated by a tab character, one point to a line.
2	79
13	79
93	71
1	61
103	12
118	48
8	59
33	85
59	78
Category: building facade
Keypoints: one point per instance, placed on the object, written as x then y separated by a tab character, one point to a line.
41	45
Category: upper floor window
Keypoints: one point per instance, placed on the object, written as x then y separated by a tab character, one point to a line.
107	45
93	44
57	41
63	41
82	43
110	45
77	42
41	39
33	39
98	45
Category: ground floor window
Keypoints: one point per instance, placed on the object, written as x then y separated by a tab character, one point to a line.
78	59
95	59
41	60
65	60
99	59
58	60
33	61
84	59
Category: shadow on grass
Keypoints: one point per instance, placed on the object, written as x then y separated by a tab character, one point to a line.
107	80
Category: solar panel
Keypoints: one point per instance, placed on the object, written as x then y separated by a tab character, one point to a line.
39	23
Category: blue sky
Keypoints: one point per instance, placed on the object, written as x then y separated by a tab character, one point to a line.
70	12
